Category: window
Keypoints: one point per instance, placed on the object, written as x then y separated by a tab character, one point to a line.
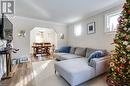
77	29
39	37
111	21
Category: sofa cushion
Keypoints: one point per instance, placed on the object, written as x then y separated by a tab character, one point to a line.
80	51
65	56
89	51
72	50
96	54
64	49
75	71
69	56
59	55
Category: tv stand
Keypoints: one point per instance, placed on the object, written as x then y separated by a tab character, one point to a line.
7	55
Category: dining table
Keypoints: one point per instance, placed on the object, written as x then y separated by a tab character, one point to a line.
44	49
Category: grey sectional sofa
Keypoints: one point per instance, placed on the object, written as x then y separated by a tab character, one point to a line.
75	68
76	52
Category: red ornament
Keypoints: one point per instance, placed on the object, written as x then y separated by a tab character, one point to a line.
128	11
126	38
122	65
117	70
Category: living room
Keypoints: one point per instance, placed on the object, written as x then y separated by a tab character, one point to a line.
50	37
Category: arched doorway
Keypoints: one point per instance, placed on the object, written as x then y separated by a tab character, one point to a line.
42	35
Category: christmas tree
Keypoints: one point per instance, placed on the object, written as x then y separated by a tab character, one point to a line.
119	73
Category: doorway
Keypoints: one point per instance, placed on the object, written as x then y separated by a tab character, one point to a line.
42	35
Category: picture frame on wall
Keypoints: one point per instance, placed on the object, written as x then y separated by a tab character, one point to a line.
91	28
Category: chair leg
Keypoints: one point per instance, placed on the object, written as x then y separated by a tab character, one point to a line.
55	71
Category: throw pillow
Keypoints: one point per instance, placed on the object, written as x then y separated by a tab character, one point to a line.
80	51
64	49
72	50
89	51
96	54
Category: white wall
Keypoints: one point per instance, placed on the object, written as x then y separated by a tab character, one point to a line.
100	39
27	24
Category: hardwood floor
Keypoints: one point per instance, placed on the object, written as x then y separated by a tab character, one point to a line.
42	74
23	74
21	77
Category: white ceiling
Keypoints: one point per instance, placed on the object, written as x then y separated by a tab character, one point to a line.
63	11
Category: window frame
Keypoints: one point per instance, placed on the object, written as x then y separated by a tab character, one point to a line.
108	15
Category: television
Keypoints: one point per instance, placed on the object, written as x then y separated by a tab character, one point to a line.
6	28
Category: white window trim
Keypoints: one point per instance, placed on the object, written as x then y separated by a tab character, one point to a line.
110	14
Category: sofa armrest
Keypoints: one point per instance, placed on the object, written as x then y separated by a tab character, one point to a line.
101	65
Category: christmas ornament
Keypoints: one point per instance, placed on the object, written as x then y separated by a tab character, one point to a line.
112	64
128	11
128	47
117	70
123	60
125	20
126	38
122	66
125	43
125	28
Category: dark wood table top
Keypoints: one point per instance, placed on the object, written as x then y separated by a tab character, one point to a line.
41	46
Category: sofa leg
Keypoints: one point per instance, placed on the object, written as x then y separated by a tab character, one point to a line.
55	71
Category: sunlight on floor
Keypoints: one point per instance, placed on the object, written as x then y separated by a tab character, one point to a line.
33	74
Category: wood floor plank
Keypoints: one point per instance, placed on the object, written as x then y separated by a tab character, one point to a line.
23	76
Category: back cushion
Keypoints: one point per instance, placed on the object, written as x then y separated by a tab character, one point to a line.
80	51
72	50
65	49
89	51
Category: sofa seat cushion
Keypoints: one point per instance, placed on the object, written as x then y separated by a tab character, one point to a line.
59	55
65	56
69	56
75	71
